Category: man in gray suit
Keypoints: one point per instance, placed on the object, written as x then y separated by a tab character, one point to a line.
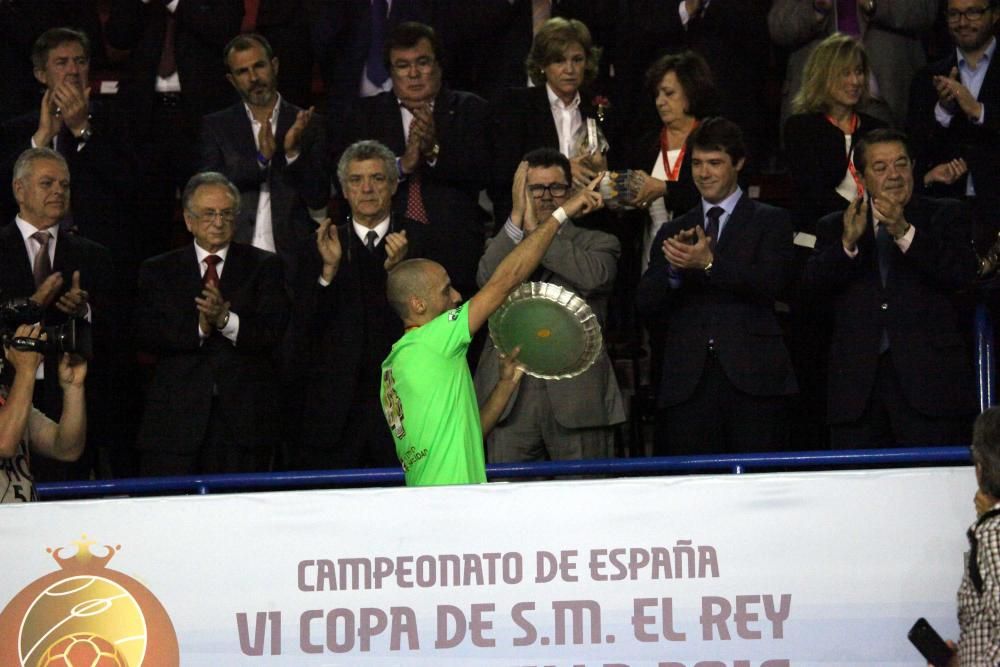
272	150
890	31
558	419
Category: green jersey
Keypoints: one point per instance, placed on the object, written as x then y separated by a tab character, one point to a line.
430	403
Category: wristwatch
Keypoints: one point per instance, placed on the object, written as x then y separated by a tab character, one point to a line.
85	134
435	150
708	269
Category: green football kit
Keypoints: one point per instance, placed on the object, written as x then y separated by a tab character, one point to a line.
430	403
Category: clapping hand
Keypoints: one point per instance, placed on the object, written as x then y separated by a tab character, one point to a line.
74	301
396	247
855	222
213	310
294	135
330	250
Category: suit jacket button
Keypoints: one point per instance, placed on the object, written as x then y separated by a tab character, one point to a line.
885	306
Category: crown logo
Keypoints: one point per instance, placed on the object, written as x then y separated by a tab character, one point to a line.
84	558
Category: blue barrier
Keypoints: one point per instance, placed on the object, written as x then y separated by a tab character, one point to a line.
735	463
739	463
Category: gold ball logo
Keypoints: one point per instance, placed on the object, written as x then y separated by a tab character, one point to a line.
82	649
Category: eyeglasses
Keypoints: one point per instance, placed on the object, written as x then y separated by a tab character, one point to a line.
555	190
972	15
209	216
423	63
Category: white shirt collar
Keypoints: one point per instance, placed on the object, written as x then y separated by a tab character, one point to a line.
274	112
987	56
728	204
381	229
556	103
27	229
201	254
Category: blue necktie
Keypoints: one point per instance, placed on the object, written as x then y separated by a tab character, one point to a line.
883	243
375	65
712	230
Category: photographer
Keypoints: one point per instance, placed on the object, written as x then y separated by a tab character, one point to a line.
23	427
979	593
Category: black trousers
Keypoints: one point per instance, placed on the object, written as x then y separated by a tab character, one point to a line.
890	421
718	418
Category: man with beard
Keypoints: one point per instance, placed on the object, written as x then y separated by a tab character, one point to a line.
272	150
955	109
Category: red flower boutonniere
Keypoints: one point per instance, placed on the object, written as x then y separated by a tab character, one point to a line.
602	104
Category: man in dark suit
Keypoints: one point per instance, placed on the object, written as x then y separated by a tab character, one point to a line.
67	274
567	419
272	150
349	39
213	313
716	273
955	110
92	136
20	25
342	325
440	138
899	370
172	79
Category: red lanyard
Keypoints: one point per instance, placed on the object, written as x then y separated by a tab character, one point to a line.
672	172
855	121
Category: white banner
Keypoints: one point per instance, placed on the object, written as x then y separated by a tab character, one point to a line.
761	570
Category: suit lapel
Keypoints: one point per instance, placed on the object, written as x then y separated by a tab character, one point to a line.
64	257
233	271
286	118
16	259
547	125
389	119
990	89
444	112
737	224
189	273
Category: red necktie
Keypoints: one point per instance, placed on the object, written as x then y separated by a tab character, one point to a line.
415	209
211	276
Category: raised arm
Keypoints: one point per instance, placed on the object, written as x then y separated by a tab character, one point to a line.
64	441
519	264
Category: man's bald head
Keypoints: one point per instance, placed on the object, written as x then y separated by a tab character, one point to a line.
409	278
419	290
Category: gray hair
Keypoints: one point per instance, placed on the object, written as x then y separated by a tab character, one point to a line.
209	178
367	149
986	450
26	161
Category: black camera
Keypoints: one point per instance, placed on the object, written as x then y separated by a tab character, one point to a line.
72	336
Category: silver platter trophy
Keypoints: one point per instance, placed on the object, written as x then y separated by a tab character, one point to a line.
558	332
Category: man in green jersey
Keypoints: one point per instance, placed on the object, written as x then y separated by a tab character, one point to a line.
427	392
